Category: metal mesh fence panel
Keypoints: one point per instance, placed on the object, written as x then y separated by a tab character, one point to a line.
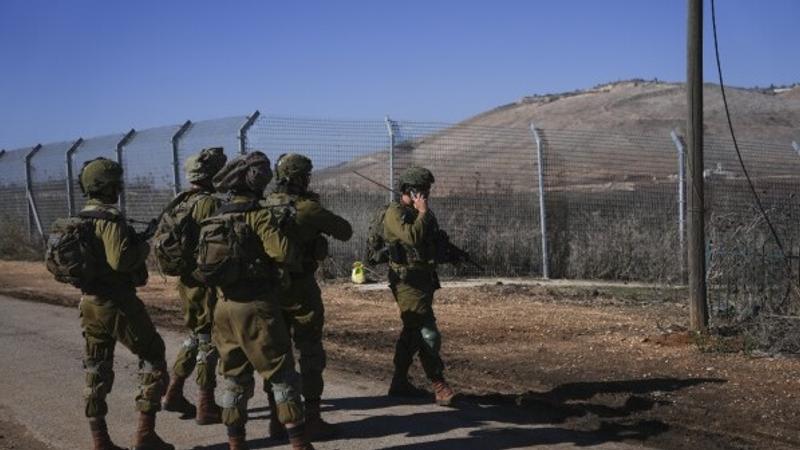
211	133
13	200
485	195
149	181
101	146
336	147
612	205
48	174
748	276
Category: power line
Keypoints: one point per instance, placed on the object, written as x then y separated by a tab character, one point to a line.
736	144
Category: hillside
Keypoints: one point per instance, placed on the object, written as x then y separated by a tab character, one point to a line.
611	126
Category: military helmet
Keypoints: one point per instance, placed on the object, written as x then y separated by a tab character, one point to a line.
98	175
250	172
204	165
416	177
292	167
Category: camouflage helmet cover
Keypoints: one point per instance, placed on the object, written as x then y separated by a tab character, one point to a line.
416	177
204	165
291	166
250	172
99	174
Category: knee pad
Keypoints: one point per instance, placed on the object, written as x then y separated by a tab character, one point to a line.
286	385
191	343
431	337
99	378
153	380
236	391
206	351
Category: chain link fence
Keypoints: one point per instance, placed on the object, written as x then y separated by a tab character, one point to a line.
523	201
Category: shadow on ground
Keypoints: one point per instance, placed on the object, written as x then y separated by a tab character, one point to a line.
504	421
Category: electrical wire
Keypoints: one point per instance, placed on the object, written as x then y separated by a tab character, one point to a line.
764	214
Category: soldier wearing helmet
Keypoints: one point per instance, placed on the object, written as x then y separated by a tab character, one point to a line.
111	312
410	230
302	301
189	208
249	328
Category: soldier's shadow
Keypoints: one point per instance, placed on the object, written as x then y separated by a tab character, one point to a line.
503	421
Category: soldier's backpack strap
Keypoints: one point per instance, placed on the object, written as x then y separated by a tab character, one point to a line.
238	207
98	213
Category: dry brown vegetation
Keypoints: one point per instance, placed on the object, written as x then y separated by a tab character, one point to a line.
610	359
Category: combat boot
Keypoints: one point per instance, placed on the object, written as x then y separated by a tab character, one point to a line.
237	441
298	437
401	387
102	441
276	429
207	410
316	428
174	400
146	437
444	393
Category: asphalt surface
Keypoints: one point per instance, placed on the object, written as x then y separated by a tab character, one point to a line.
40	364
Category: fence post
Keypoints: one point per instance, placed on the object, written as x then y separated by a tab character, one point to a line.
120	148
542	209
176	162
71	175
243	131
680	145
33	211
390	128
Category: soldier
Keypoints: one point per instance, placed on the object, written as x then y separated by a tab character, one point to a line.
111	311
249	329
410	230
302	302
180	224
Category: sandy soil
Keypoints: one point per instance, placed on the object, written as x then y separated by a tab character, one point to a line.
614	359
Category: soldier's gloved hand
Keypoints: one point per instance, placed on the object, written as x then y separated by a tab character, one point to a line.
420	202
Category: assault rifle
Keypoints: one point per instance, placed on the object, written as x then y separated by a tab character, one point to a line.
447	252
149	231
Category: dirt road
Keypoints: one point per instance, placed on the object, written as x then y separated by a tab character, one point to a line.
41	349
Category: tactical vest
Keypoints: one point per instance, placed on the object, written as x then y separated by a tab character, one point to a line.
381	251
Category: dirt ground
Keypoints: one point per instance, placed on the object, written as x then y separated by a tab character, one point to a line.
14	436
611	359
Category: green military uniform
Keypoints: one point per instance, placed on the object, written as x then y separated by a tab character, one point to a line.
198	311
413	283
249	328
251	334
181	224
111	312
302	301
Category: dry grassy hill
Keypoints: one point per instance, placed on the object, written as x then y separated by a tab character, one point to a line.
496	144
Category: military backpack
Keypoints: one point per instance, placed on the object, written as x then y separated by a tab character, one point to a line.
69	255
228	249
377	247
175	239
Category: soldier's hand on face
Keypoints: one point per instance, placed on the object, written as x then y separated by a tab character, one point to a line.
420	202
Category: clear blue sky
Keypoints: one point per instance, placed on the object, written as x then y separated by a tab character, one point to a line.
89	67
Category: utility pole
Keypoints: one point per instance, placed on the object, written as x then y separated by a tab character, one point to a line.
698	308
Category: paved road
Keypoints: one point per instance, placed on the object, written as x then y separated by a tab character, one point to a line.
42	382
